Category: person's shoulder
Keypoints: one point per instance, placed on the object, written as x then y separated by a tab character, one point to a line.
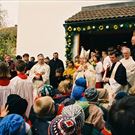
14	78
46	65
121	67
60	60
51	60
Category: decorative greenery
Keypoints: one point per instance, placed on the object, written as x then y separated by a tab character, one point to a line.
71	30
8	41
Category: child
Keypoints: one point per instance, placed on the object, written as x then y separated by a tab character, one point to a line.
43	111
95	113
69	71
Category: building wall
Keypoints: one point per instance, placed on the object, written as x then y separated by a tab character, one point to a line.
40	25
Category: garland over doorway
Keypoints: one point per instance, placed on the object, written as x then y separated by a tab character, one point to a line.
103	18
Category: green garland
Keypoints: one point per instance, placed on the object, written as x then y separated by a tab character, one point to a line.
72	30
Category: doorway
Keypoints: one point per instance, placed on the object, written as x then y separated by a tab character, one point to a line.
104	40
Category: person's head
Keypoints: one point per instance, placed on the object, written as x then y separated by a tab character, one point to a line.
70	64
40	59
92	54
120	95
7	58
91	94
4	70
96	51
81	82
132	91
65	87
122	116
85	60
81	60
126	52
113	56
47	90
63	125
12	124
96	58
104	53
32	59
75	111
79	88
16	104
59	72
77	92
103	94
47	60
55	55
133	40
18	57
44	106
20	65
26	57
77	59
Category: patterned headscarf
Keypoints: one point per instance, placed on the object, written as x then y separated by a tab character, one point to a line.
62	125
76	112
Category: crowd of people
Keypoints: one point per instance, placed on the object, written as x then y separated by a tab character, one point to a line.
93	95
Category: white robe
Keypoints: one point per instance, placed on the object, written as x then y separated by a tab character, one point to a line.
99	70
129	64
23	88
41	69
5	91
107	62
88	73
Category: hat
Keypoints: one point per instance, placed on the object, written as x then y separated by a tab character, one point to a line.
77	92
75	111
84	53
62	125
91	94
132	91
43	106
12	124
95	116
47	90
103	93
120	95
81	82
16	104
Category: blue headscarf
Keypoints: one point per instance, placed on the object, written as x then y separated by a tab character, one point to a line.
12	124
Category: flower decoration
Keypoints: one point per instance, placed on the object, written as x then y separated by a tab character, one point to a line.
107	27
78	29
93	27
88	28
69	40
84	29
130	25
69	28
101	27
93	64
121	25
74	29
115	27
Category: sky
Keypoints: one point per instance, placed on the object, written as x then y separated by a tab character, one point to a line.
12	11
12	7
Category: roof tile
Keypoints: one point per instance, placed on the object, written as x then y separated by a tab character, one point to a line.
107	13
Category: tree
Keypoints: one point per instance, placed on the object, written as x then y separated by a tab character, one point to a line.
3	14
8	38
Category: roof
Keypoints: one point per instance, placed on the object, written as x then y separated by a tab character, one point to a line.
101	12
